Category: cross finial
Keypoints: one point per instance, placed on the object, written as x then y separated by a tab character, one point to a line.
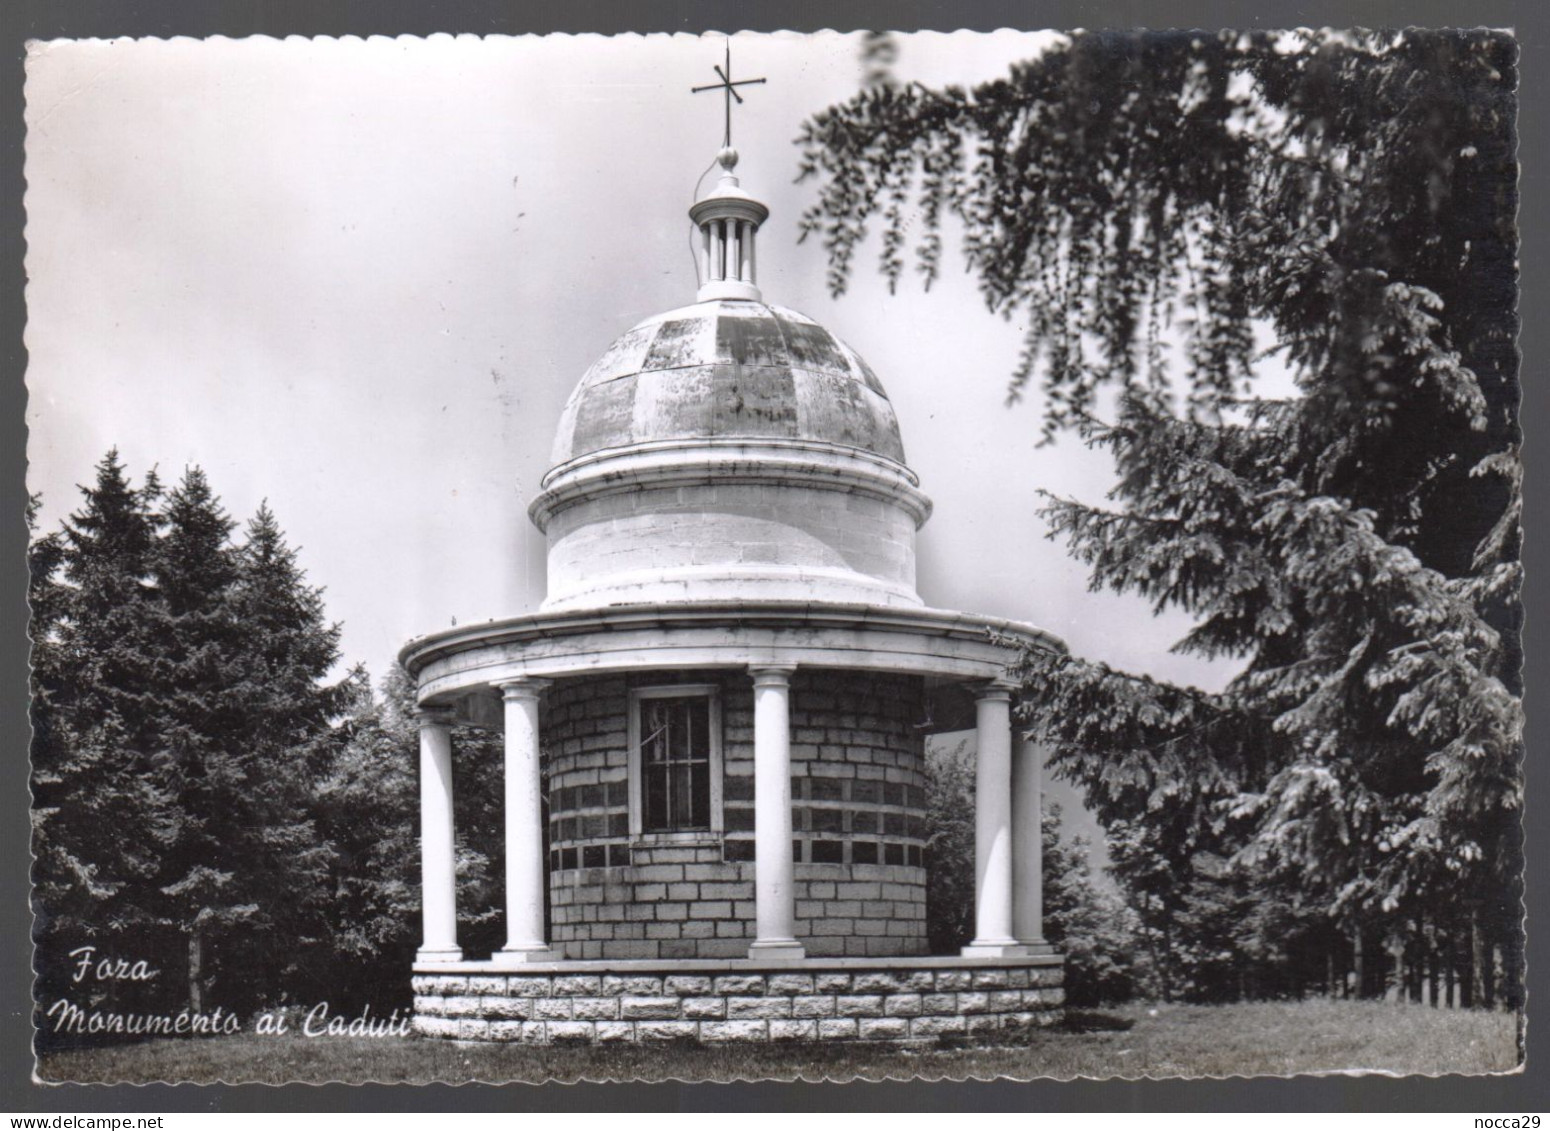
730	91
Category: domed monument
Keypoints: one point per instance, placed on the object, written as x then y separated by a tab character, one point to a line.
715	725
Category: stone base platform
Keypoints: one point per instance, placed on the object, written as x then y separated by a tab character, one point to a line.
832	999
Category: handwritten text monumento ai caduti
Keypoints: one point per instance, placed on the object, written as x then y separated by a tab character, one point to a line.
318	1021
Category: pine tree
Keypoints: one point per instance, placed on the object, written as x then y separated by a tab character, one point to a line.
949	849
1083	920
182	717
46	596
479	813
47	599
202	727
1151	203
1086	922
257	886
99	820
367	808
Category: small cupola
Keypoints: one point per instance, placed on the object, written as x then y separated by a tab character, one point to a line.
728	219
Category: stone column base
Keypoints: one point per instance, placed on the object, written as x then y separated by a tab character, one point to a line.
995	948
777	949
425	954
522	956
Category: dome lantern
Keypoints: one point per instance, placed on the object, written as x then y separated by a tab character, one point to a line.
728	219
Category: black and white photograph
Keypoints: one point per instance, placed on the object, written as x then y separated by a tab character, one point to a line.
827	556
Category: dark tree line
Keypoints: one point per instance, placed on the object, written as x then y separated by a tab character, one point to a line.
1153	209
180	711
209	794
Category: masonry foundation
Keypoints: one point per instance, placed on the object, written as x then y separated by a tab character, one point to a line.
895	1000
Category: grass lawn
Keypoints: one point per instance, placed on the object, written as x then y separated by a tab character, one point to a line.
1245	1040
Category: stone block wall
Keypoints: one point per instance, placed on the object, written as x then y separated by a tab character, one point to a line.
676	901
860	910
857	769
858	798
850	1004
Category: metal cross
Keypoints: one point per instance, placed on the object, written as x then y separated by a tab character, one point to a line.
726	84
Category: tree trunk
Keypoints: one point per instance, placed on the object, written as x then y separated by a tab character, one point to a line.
196	961
1359	961
1512	969
1329	971
1480	977
1492	956
1434	972
1151	948
1466	975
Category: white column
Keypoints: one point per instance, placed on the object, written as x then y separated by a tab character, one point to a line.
438	865
752	243
744	241
525	872
705	253
1027	843
774	873
993	826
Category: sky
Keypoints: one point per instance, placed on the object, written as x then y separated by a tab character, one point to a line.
358	278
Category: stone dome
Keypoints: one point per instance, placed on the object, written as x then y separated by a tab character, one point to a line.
728	369
729	451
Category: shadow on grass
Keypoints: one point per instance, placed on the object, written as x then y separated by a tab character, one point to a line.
1091	1021
1253	1039
1076	1021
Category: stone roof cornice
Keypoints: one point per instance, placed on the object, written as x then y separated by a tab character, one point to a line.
682	463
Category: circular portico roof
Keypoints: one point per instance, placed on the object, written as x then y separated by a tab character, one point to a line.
454	663
728	369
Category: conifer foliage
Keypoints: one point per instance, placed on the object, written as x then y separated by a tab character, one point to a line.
1152	209
102	820
183	712
1083	918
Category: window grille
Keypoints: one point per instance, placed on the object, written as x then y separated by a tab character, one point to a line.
675	760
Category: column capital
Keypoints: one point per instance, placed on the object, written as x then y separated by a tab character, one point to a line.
771	675
523	687
997	690
433	715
